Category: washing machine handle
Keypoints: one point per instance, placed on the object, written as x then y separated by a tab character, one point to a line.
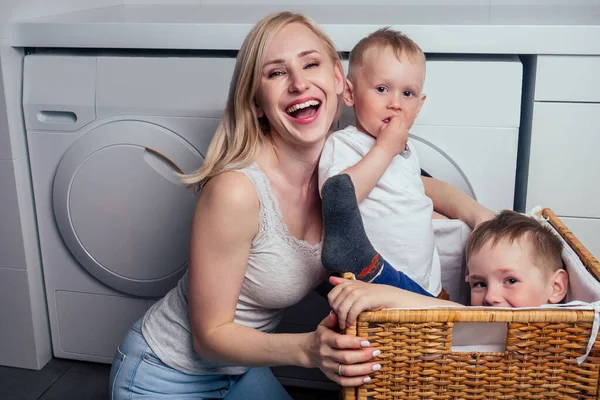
164	158
56	117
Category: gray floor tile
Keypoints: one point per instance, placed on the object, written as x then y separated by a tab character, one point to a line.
91	368
60	364
28	384
76	380
77	385
311	394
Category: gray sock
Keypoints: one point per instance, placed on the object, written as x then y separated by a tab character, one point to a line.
346	247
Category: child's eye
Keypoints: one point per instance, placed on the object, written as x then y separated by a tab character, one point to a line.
510	281
273	74
478	285
312	65
381	89
407	93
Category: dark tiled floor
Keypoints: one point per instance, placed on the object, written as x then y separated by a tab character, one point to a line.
75	380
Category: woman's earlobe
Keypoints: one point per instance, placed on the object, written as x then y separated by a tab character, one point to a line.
259	111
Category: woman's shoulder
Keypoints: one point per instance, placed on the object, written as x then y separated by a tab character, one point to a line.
231	190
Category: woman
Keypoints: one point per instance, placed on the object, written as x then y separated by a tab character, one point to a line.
256	237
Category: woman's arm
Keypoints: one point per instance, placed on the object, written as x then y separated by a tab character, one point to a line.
224	224
454	203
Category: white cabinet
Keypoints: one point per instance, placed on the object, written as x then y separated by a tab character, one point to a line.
564	167
568	78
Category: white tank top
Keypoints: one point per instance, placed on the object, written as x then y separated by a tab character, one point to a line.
281	271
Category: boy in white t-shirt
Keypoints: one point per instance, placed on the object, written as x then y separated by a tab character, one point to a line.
374	164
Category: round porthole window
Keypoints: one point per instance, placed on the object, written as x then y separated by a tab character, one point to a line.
120	208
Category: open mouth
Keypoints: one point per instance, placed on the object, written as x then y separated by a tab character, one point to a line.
385	121
304	110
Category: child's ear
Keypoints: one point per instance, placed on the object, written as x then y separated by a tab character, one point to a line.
349	93
421	102
560	283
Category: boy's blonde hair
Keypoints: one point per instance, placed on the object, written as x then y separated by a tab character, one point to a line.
240	133
381	39
545	246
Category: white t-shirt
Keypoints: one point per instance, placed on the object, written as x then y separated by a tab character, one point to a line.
397	213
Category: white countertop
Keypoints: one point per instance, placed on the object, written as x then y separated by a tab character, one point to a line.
437	29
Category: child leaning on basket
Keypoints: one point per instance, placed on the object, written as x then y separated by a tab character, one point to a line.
512	261
375	164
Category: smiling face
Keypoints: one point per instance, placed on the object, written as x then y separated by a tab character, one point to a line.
299	86
385	86
505	275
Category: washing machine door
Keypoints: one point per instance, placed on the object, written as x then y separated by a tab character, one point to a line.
120	209
436	163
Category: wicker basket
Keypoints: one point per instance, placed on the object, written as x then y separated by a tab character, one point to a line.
539	361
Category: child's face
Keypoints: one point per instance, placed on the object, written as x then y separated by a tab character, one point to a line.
384	87
505	276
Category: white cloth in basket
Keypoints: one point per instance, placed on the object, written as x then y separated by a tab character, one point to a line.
450	239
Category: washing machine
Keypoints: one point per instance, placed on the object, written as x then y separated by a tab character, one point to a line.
466	134
108	135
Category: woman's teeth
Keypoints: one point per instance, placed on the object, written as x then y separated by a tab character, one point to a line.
300	106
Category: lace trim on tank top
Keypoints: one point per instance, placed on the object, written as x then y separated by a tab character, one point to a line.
276	222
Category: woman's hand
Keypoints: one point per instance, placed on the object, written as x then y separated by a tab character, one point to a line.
333	353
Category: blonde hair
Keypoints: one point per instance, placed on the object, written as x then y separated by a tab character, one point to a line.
240	133
382	39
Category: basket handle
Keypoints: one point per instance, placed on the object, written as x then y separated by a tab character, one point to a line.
590	262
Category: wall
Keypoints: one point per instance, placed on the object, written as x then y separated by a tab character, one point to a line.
20	9
492	3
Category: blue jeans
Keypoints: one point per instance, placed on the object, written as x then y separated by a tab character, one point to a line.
137	373
390	276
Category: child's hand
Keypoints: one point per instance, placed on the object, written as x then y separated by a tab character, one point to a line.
349	298
393	136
